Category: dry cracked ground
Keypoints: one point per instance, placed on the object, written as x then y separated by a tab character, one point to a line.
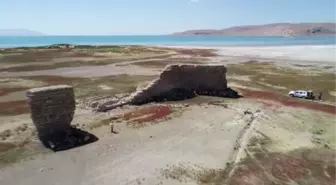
264	137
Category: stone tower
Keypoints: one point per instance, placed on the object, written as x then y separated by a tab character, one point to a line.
52	109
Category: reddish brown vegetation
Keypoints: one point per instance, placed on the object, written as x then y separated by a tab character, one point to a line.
287	101
14	107
283	169
33	55
148	114
20	107
6	146
197	52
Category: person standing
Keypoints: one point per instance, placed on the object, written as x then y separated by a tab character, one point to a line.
320	96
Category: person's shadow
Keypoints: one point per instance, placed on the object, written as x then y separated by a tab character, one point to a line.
68	139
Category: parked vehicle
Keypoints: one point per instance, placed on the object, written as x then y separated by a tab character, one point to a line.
302	94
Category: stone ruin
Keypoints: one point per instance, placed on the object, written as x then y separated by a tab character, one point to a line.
178	82
52	109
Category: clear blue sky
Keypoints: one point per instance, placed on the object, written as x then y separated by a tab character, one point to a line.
97	17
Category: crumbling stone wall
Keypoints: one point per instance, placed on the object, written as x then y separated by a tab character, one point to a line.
180	81
184	79
52	109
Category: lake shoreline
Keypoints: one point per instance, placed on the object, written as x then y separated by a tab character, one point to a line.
166	40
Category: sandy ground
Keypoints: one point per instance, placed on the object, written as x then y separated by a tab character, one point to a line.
324	54
194	140
139	154
285	56
15	96
88	71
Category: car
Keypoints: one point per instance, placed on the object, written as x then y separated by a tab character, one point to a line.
302	94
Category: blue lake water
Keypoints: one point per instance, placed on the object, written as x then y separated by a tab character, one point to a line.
16	41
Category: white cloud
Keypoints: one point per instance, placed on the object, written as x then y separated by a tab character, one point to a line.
194	1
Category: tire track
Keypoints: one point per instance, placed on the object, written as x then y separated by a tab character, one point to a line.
242	142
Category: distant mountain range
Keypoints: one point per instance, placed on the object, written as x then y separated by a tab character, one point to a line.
19	32
276	29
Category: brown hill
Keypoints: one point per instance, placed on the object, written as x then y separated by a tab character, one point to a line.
277	29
